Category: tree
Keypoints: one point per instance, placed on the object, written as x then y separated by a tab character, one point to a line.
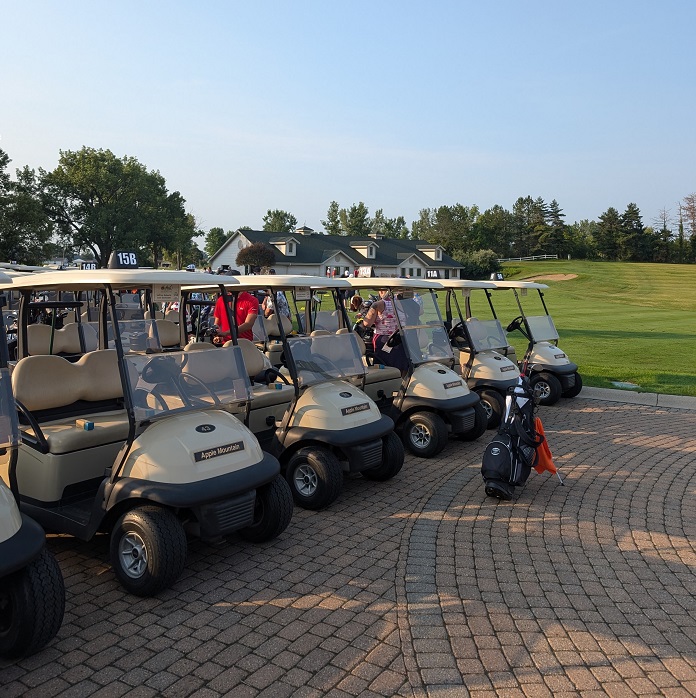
530	223
663	236
355	221
215	239
278	221
105	203
332	224
449	226
554	238
607	234
26	229
494	229
389	227
258	254
634	244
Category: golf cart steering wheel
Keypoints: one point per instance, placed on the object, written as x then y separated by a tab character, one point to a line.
159	370
184	377
457	331
325	363
515	324
394	339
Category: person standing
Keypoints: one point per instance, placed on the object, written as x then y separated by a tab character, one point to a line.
246	310
382	315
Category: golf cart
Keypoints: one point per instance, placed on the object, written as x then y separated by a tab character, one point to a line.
307	412
131	438
32	594
480	347
551	372
431	400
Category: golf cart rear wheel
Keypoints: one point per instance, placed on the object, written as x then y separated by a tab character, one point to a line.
392	459
577	387
148	550
32	602
480	424
272	512
547	387
424	434
315	477
492	401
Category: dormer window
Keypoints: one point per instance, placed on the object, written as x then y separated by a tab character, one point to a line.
438	254
371	251
291	249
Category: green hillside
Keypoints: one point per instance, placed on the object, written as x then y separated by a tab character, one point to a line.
618	321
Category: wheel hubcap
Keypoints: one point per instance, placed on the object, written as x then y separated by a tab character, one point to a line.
542	389
420	436
306	480
487	407
133	555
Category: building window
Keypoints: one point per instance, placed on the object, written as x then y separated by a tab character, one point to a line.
410	271
403	273
291	248
438	254
371	252
418	271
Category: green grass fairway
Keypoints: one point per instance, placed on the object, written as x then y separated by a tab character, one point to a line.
618	321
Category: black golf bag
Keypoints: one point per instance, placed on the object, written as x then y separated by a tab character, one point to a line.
509	457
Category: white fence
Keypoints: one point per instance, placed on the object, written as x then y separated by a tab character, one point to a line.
529	259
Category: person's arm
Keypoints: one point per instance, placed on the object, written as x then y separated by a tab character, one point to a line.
248	323
371	316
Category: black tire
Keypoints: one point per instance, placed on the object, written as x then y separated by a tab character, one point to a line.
315	477
480	424
272	512
425	434
575	390
148	550
547	387
392	459
494	404
32	603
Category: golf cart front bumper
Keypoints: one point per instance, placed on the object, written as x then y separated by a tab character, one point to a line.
565	373
221	504
360	446
24	546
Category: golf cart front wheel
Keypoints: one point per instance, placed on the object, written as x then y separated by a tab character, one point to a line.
32	603
577	387
424	434
546	387
392	460
315	477
494	405
272	512
148	550
480	424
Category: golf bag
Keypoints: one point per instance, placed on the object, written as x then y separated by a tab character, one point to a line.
510	456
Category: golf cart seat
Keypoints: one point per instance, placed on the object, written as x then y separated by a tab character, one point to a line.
159	315
168	333
326	320
271	325
376	373
66	341
53	394
263	394
198	346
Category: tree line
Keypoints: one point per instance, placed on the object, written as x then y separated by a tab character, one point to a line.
94	202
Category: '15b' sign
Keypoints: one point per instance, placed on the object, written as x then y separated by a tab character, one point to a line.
123	260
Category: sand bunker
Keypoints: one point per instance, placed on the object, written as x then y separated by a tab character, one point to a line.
553	277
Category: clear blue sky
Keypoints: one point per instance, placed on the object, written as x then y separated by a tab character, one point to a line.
250	106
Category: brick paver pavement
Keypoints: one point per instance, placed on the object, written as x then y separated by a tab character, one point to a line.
421	586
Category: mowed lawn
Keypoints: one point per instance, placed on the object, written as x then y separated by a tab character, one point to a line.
618	321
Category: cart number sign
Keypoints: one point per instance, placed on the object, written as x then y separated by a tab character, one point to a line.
452	384
303	293
165	293
362	407
218	451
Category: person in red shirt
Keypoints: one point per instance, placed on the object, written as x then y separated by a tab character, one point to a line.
247	308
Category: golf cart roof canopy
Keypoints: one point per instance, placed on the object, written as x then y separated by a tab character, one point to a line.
393	282
279	281
4	278
117	278
466	283
518	284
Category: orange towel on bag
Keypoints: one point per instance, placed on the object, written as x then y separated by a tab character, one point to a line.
544	459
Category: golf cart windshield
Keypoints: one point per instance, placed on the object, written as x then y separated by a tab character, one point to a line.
542	328
486	334
325	357
424	334
9	429
186	381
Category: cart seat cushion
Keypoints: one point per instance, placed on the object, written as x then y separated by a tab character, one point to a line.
65	340
253	359
266	396
271	325
66	436
375	374
50	382
168	333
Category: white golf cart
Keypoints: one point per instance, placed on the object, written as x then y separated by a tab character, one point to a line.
552	374
480	347
431	401
32	594
122	434
308	412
